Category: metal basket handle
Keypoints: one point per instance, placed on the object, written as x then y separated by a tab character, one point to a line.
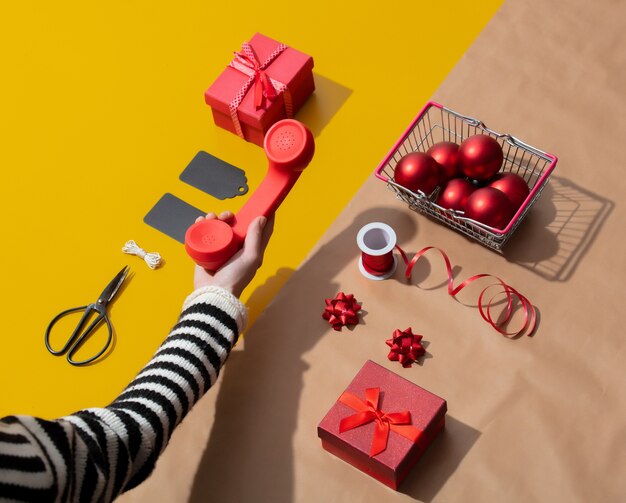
510	139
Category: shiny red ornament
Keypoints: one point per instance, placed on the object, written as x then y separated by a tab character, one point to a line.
406	347
341	311
480	157
490	207
513	186
454	194
446	154
417	171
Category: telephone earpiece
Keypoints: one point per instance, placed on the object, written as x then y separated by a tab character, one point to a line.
289	147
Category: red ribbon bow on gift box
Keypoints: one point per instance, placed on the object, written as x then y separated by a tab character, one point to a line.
406	347
341	311
265	87
368	411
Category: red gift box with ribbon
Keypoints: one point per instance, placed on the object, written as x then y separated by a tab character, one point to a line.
382	424
266	81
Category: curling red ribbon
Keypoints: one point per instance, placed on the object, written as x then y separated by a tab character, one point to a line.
265	87
485	303
368	411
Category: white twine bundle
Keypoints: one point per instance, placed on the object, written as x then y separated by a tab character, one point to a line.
153	259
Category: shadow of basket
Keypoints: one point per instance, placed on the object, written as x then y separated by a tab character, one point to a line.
559	230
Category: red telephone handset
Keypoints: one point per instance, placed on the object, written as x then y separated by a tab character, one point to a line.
289	147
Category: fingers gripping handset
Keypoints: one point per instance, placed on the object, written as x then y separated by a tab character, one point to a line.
289	147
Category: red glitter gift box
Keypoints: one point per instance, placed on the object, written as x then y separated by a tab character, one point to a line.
382	424
265	82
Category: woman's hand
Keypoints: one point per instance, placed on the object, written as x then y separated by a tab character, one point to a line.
235	274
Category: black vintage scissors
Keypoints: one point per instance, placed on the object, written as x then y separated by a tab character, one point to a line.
79	335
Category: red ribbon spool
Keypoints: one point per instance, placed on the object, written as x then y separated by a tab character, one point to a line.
376	241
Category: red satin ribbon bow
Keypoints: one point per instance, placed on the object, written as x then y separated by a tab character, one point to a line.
265	87
406	347
342	310
368	411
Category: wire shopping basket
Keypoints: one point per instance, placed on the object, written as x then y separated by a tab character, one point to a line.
436	123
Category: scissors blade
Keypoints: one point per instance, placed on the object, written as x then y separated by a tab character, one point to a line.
111	289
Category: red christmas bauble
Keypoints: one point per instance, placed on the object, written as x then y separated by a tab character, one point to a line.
480	157
417	171
513	186
455	193
446	154
490	207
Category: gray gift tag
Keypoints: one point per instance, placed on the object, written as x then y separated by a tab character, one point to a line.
172	216
214	176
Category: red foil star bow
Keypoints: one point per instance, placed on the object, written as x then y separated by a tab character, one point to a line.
406	347
367	411
342	310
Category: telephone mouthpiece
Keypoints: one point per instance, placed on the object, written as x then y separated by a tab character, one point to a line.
289	145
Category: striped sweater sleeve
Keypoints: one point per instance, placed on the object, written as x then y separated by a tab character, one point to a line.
98	453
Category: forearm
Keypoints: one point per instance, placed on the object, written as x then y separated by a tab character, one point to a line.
98	453
182	370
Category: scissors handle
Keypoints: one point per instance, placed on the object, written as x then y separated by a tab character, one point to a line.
75	341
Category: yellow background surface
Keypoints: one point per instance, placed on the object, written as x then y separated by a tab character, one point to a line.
102	108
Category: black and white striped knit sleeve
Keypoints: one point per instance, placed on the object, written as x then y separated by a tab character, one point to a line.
98	453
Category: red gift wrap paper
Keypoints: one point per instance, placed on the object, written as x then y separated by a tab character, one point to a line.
397	397
278	81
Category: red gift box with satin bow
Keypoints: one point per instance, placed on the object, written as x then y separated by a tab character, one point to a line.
266	81
382	424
